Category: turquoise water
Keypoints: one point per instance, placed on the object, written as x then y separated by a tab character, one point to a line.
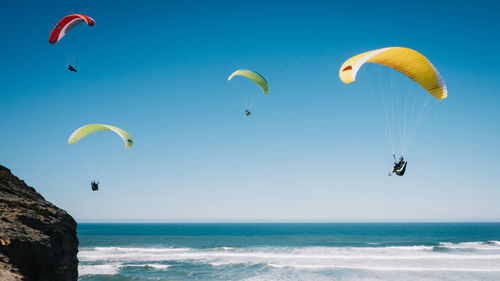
305	251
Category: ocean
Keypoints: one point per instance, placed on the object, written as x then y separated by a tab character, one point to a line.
289	251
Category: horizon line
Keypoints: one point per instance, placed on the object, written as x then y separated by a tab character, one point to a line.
256	221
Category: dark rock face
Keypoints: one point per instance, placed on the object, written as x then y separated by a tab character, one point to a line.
37	240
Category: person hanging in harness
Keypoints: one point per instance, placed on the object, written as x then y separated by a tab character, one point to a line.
399	167
71	68
247	112
94	185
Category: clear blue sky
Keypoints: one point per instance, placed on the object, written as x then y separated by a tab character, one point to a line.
309	153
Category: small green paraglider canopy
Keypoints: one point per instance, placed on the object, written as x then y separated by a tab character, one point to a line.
254	76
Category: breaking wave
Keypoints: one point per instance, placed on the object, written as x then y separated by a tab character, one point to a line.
467	258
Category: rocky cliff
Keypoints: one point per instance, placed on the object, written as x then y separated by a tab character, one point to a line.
37	240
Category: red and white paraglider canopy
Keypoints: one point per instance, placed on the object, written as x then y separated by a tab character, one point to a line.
66	24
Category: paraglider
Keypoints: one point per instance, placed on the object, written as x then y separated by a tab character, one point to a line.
256	78
94	185
399	112
62	28
71	68
399	167
86	130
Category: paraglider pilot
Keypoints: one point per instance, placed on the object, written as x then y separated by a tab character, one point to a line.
71	68
399	167
247	112
94	185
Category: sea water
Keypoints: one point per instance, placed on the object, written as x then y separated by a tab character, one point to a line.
290	251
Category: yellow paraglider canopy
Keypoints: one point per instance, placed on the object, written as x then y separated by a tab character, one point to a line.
407	61
92	128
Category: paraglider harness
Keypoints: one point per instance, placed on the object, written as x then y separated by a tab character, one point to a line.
94	185
247	112
399	167
71	68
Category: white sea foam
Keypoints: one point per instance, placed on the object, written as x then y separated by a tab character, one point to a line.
111	269
385	268
150	265
158	266
490	245
477	258
107	269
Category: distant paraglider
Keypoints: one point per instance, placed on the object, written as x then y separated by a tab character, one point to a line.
94	185
257	79
399	112
71	68
86	130
62	28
